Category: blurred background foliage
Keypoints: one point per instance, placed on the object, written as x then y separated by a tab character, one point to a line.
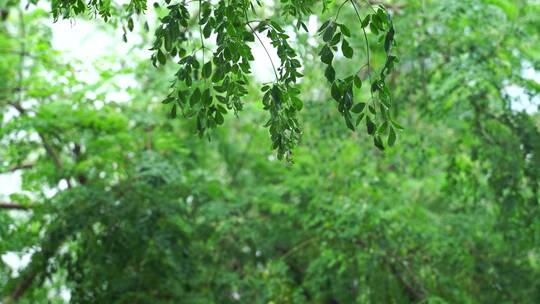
121	204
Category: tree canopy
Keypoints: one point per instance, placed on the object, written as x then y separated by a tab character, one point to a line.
121	202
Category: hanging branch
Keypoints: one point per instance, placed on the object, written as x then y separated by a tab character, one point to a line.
226	72
376	112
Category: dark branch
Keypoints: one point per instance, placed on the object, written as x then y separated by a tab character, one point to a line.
13	206
412	288
19	167
416	295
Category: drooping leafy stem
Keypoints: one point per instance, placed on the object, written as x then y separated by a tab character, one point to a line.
282	99
368	60
339	10
369	125
376	111
232	54
283	126
262	45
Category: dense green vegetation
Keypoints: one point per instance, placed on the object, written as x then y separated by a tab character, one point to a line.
433	198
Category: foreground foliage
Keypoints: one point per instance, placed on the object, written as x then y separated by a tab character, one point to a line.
206	88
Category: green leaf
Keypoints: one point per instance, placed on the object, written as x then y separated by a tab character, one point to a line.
297	103
377	22
348	121
335	92
345	30
207	30
336	39
366	20
330	73
388	40
221	109
182	52
323	26
168	100
377	141
346	49
303	25
374	28
276	94
396	125
329	32
370	126
195	97
358	108
219	118
383	127
391	137
161	57
357	82
130	25
326	55
360	118
206	97
348	98
207	70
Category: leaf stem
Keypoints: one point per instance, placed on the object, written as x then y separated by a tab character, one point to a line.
367	46
262	44
339	9
201	34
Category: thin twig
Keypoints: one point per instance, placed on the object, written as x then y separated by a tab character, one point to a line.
299	246
18	167
367	46
262	44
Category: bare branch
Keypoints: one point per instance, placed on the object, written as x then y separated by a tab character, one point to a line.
22	166
18	107
414	291
13	206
